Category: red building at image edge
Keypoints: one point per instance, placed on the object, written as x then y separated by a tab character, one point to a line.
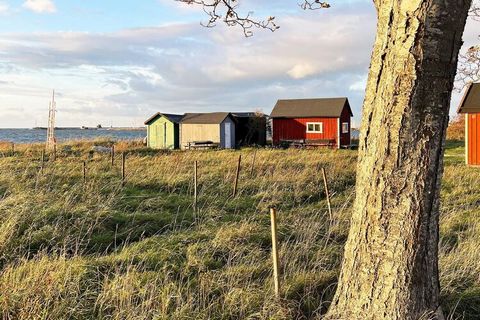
312	121
470	107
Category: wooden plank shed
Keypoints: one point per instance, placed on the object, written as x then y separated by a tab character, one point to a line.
163	131
316	121
216	127
470	106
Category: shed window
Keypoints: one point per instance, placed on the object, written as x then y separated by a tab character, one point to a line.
345	127
314	127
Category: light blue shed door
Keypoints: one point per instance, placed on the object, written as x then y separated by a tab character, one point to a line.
228	135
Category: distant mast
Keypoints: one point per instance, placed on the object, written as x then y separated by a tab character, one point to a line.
51	141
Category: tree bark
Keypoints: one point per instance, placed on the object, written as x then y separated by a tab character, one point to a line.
390	267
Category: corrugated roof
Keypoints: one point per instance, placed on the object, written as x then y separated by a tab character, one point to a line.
175	118
205	118
307	108
247	114
471	99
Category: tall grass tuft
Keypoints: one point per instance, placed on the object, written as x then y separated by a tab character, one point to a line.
100	250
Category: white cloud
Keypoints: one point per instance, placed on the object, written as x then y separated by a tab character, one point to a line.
40	6
131	73
301	70
114	77
4	8
359	85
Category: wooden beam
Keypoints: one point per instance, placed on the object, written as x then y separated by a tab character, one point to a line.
195	187
276	264
327	192
467	151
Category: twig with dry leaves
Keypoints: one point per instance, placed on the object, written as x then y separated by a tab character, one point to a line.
227	11
469	62
314	5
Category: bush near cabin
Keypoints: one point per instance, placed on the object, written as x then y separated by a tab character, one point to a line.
456	128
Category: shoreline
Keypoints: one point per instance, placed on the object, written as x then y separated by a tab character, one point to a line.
83	129
80	141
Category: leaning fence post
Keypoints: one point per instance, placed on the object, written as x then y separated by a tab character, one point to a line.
112	153
195	186
330	215
123	167
327	192
276	273
235	185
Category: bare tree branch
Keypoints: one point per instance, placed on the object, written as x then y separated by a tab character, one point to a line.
227	11
469	67
475	11
469	62
314	5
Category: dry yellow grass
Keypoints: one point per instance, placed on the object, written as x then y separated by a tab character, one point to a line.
70	250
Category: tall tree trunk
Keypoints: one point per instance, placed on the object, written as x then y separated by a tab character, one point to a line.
390	267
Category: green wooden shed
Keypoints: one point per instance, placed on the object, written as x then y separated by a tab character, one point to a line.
163	131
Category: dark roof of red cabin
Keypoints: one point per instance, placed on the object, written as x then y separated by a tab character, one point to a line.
309	108
471	100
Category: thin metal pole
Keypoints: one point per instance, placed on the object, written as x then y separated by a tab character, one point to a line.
235	185
276	264
124	159
195	186
85	172
113	155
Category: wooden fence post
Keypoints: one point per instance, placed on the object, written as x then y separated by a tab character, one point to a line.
113	155
124	159
13	149
276	265
42	160
253	162
85	172
330	215
54	152
235	185
195	186
327	192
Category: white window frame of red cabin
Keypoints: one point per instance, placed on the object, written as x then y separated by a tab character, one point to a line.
345	127
315	123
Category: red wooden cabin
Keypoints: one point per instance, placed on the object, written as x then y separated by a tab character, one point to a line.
312	122
470	106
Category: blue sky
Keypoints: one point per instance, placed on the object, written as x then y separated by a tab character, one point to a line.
117	62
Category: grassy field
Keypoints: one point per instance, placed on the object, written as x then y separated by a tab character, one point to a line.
70	250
